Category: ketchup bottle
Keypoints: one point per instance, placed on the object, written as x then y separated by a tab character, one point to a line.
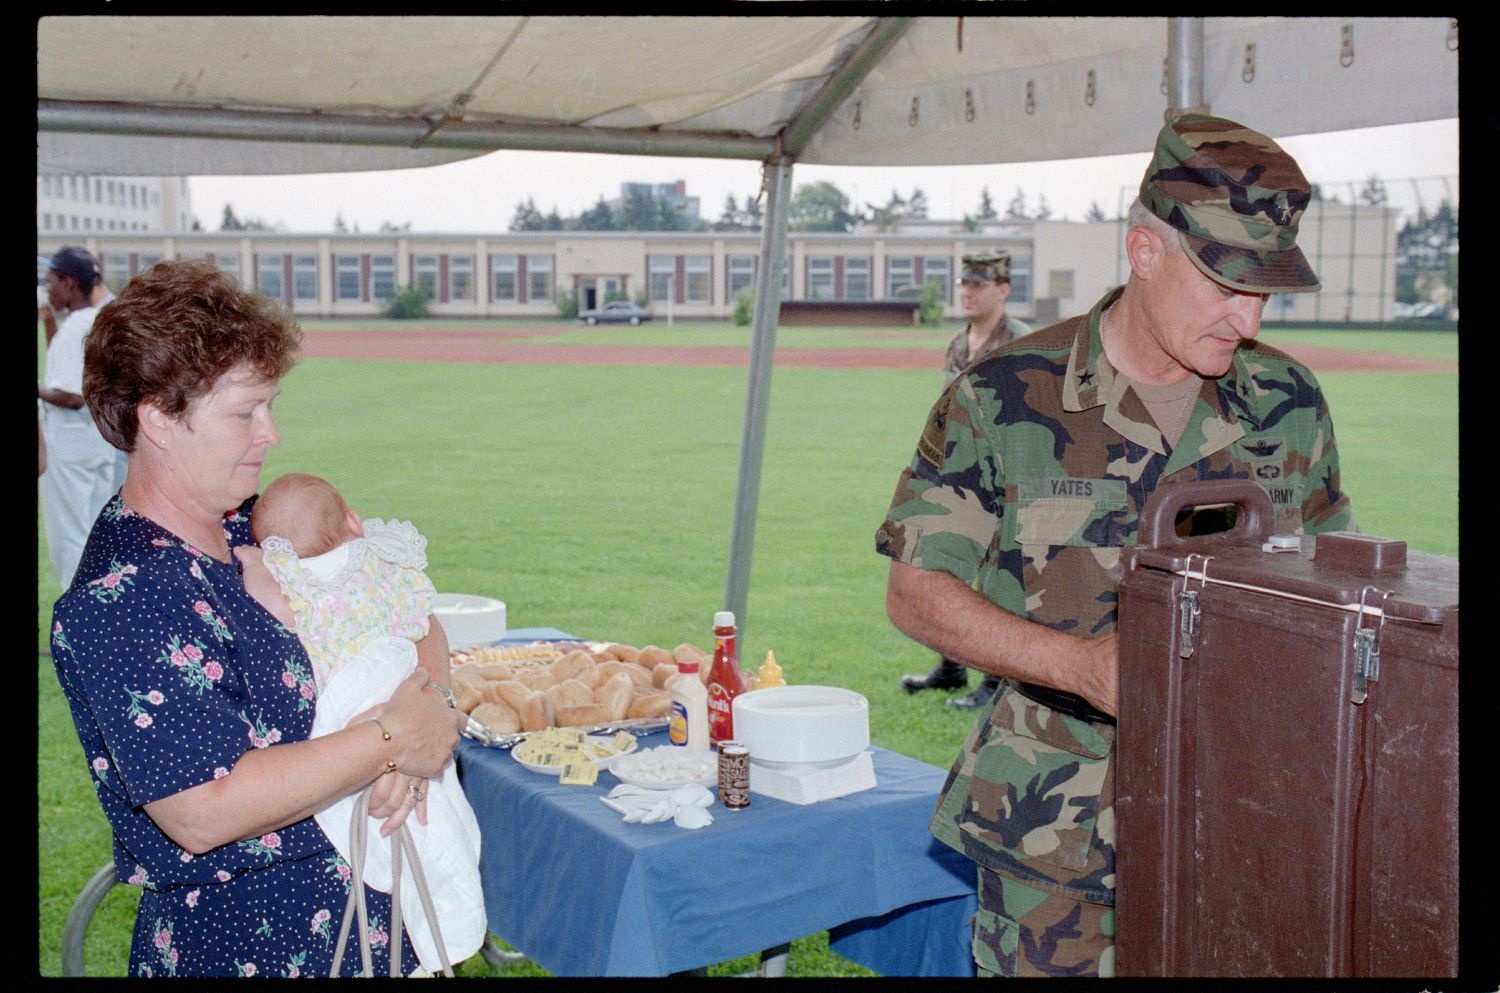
724	680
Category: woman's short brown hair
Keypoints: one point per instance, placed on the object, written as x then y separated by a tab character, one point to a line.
169	336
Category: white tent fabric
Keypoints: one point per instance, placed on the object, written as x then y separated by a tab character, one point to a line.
200	95
274	95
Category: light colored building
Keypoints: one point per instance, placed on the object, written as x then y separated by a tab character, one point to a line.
81	205
674	194
1059	268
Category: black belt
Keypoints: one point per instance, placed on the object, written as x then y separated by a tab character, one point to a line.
1064	703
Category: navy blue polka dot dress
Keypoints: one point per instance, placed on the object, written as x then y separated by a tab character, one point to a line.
172	672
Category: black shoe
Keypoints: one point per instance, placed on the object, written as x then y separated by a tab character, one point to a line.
978	697
946	675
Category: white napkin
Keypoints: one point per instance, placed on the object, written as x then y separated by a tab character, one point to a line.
687	806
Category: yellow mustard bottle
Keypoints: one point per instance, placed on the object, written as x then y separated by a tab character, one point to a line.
769	674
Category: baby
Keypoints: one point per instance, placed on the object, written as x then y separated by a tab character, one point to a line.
355	593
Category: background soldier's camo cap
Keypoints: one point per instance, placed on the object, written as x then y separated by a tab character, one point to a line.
985	267
1235	199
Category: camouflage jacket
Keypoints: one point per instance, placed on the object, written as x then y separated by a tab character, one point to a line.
1029	479
958	357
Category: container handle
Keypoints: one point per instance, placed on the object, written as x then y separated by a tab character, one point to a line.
1254	520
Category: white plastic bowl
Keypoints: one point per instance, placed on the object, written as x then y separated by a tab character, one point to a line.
470	620
802	724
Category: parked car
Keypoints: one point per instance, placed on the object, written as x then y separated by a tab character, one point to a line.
616	312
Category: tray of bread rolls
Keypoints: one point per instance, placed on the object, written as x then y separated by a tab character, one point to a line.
512	691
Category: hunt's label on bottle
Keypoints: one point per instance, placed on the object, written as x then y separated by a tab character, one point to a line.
720	713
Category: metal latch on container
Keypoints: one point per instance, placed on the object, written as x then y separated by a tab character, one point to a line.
1189	610
1367	648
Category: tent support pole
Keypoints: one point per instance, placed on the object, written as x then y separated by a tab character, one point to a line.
1185	66
778	180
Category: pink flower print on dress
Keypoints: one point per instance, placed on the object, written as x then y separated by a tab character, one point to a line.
155	697
272	840
194	571
222	876
306	691
191	550
143	720
192	898
288	680
163	938
213	670
248	969
202	609
193	652
185	856
100	763
179	659
220	772
138	878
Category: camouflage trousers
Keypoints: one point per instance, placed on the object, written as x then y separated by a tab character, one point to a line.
1021	930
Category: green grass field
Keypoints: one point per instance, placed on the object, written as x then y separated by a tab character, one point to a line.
599	501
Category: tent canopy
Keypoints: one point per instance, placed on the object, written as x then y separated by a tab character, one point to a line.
253	95
225	95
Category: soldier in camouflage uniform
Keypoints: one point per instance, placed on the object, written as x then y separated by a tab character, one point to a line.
983	289
1029	479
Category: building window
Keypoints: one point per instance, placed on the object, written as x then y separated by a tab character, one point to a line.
46	186
820	277
900	276
741	273
857	277
269	275
1060	283
503	278
662	271
939	269
460	277
697	274
305	278
424	274
46	221
98	191
346	277
538	277
88	222
382	277
73	189
116	269
1020	280
229	264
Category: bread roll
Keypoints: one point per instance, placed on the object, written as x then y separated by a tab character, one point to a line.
639	675
538	678
511	692
498	717
572	665
573	717
536	712
686	651
625	653
570	693
650	703
467	693
661	673
651	656
614	695
483	670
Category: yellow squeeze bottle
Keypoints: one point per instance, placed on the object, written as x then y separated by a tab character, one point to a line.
769	674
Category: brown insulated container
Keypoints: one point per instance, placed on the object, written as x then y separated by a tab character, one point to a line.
1287	780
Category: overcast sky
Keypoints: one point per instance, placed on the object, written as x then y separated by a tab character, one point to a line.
480	195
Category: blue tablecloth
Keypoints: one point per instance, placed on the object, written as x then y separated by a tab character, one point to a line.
582	893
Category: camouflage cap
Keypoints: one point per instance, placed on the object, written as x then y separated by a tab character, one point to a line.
1235	199
985	267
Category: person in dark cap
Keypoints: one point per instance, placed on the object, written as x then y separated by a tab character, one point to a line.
1006	530
983	289
81	466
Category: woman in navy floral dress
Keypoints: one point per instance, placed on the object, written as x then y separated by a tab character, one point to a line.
193	705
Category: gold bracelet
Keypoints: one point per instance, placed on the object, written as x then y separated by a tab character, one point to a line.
390	764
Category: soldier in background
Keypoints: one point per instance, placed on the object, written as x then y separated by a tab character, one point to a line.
1029	479
983	289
